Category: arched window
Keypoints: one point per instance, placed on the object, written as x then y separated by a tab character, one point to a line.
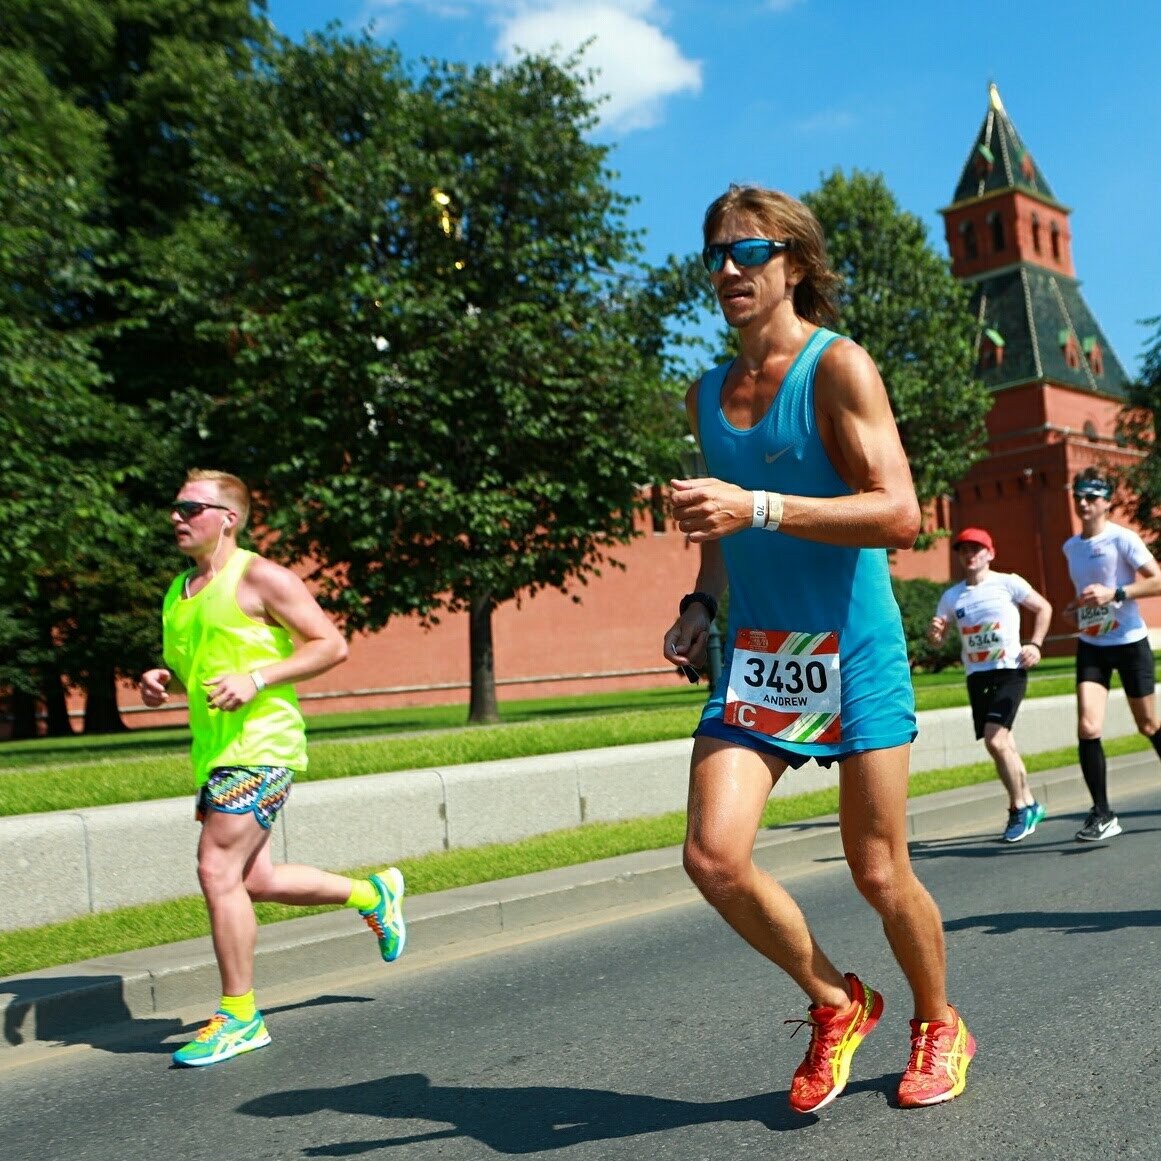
1035	233
1055	242
997	226
991	348
1070	348
971	247
1092	352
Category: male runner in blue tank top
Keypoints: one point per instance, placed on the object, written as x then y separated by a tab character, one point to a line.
808	485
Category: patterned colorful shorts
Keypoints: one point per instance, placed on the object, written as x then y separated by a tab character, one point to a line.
262	790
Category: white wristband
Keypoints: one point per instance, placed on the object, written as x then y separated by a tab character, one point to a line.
258	680
759	517
774	515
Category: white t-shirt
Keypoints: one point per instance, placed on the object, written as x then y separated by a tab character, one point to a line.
987	616
1110	558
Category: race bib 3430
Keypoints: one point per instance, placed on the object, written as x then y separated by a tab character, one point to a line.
787	686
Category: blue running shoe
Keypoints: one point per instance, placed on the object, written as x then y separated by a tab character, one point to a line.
1021	823
385	919
221	1039
1040	812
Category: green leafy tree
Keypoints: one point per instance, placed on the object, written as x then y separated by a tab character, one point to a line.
918	600
901	303
94	99
51	156
1138	424
448	371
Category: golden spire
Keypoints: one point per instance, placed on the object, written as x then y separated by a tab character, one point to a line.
994	99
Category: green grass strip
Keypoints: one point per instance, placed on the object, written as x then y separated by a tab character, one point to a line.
144	778
152	924
48	775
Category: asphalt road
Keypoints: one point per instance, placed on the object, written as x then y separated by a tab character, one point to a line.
661	1035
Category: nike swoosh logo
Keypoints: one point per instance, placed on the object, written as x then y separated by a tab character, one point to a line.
771	458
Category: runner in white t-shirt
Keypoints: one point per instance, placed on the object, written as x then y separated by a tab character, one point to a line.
985	609
1111	569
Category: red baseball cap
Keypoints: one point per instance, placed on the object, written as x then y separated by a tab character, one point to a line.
974	536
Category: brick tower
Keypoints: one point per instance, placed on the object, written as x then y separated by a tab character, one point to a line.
1058	385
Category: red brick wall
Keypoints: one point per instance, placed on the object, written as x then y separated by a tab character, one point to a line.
1021	492
609	640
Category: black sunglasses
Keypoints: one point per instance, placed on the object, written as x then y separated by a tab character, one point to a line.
188	509
744	252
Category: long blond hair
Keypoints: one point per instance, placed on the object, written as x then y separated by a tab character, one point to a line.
784	217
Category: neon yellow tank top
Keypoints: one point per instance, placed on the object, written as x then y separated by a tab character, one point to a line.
208	635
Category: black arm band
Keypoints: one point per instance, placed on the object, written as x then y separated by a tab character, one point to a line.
711	605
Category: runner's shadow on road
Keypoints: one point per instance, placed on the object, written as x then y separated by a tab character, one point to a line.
87	1009
64	1010
530	1119
1062	922
1058	837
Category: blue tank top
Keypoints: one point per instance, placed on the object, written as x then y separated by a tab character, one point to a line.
784	584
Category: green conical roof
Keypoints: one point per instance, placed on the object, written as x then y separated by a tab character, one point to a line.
999	160
1033	311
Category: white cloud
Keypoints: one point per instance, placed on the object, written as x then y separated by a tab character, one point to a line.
638	66
388	15
827	121
446	9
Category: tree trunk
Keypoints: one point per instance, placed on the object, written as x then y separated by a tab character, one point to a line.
56	705
101	713
483	707
24	723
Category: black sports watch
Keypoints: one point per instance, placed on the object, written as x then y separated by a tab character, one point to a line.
710	603
1119	594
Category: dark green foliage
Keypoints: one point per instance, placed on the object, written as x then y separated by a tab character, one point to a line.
917	601
425	332
1139	424
91	98
902	304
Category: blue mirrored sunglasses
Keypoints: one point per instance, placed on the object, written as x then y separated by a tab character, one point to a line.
744	252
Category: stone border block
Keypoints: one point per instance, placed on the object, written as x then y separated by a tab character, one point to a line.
633	781
44	869
141	852
499	802
371	820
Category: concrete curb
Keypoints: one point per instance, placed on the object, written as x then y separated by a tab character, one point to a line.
82	1002
70	863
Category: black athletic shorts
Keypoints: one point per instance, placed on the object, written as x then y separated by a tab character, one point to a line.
996	695
1133	663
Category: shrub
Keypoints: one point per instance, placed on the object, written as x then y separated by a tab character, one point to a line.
917	602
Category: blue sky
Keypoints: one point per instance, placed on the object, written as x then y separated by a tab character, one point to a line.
781	92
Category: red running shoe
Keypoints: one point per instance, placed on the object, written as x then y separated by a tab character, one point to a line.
834	1036
937	1070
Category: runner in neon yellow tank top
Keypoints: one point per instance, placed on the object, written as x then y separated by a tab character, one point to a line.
239	630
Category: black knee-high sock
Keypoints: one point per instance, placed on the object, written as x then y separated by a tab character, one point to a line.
1095	771
1156	740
